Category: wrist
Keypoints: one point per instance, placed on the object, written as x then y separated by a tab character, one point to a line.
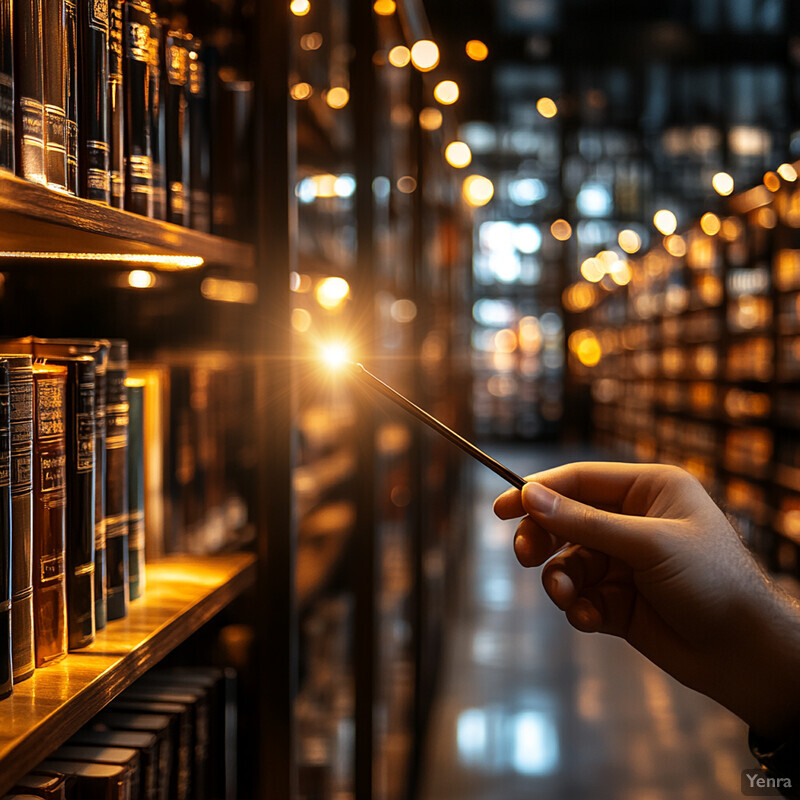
763	687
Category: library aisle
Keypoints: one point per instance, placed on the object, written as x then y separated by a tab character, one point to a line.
530	708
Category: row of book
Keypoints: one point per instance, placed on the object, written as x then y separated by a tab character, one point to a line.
170	736
105	100
71	497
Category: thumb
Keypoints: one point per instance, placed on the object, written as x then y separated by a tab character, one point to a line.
618	535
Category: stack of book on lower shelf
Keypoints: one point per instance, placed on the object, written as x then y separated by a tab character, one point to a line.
99	459
170	736
106	100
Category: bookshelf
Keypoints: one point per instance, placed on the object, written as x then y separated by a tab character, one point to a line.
183	593
698	358
34	218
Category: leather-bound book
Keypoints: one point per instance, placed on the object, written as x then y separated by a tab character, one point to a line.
136	79
21	394
180	738
117	481
72	81
177	46
95	178
49	501
125	757
80	466
196	701
155	380
85	781
55	86
136	576
98	350
218	769
199	128
6	673
146	744
162	726
46	786
157	129
6	87
28	91
116	114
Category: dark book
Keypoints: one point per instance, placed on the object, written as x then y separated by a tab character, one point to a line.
116	116
157	129
72	82
136	576
95	177
55	85
80	466
117	481
146	744
136	83
177	46
48	787
180	738
49	501
194	698
162	726
125	757
86	781
98	350
6	670
199	116
21	393
219	685
29	91
6	87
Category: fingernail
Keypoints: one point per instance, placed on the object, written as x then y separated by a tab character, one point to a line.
536	498
559	582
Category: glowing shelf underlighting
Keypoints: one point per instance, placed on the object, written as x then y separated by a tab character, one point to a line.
157	260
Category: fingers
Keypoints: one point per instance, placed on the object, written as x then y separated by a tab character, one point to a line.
595	593
605	484
533	545
629	538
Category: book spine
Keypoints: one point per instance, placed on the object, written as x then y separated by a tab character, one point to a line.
80	503
6	87
136	79
116	119
55	115
6	673
199	156
100	601
176	63
21	393
49	487
95	174
29	90
136	488
71	66
117	484
157	141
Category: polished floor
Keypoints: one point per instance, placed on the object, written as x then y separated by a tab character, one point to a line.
530	708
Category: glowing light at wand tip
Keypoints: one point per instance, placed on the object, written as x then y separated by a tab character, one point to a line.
335	355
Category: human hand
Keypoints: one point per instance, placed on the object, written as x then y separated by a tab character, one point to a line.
641	551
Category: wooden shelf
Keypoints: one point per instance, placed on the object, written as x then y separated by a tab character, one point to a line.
183	593
34	218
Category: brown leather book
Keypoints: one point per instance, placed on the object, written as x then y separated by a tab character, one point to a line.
49	505
21	389
92	781
48	787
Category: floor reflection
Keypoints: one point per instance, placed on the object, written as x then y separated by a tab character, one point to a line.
529	708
